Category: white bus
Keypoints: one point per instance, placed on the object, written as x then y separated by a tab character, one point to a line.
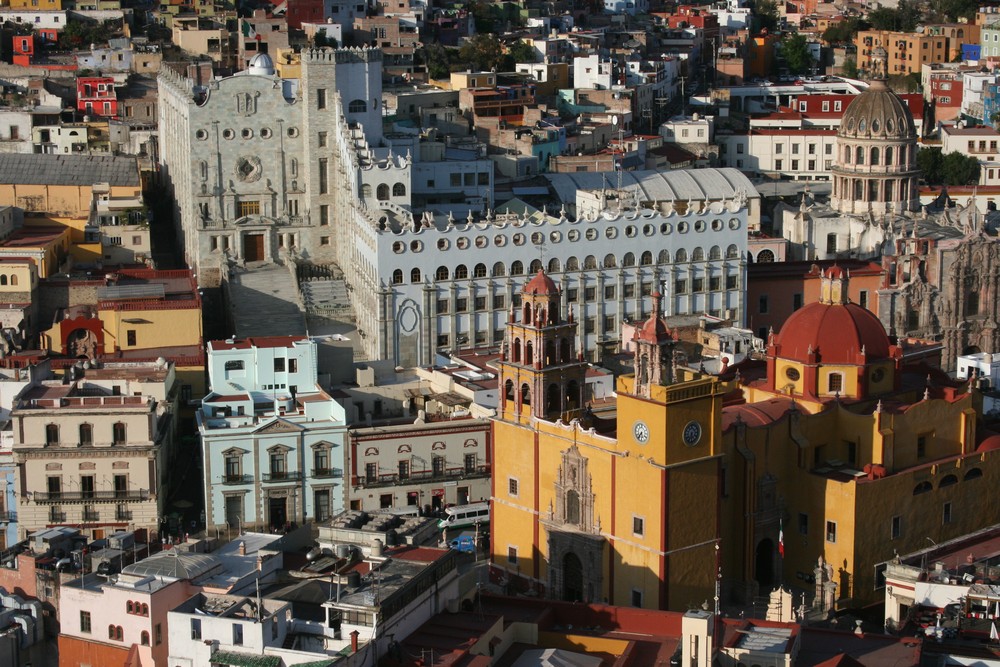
465	515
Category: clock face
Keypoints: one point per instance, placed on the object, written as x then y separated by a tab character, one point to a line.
692	433
640	432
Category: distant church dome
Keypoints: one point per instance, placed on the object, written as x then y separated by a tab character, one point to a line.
876	161
262	65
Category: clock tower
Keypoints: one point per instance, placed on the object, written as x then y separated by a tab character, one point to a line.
542	373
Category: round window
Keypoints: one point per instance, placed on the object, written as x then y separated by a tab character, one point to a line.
555	237
228	134
538	238
499	240
682	227
247	133
875	125
699	226
648	230
591	234
666	228
850	125
861	125
630	231
734	223
201	135
519	239
611	232
462	243
399	247
792	374
888	125
416	246
443	244
717	225
293	132
482	242
573	235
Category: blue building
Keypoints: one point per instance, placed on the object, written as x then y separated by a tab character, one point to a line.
272	439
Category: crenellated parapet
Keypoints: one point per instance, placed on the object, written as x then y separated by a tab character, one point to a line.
342	56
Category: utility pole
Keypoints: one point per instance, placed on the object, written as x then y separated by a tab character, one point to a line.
683	99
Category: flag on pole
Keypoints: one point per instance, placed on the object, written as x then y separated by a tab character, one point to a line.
781	538
248	30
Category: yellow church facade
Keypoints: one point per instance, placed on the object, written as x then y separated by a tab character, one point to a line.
835	441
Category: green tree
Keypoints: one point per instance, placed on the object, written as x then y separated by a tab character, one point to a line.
849	68
929	162
522	52
959	169
795	51
482	52
844	31
904	17
952	10
436	58
765	15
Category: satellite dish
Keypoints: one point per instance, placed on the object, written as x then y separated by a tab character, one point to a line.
614	120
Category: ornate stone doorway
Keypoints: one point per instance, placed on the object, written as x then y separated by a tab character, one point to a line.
572	578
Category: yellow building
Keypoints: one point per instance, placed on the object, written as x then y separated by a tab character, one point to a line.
838	441
36	5
907	51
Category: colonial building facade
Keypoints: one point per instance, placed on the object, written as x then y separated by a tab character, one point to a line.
272	439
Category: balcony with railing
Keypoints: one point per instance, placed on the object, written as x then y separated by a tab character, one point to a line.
90	515
10	516
87	496
327	472
123	515
420	477
57	517
279	477
236	479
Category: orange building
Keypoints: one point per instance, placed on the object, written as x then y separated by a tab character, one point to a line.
759	59
775	291
907	51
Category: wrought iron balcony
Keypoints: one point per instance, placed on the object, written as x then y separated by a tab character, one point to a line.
276	477
8	517
392	479
236	479
327	472
91	515
57	517
123	515
88	496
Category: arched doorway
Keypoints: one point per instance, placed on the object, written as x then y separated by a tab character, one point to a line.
764	565
972	349
572	578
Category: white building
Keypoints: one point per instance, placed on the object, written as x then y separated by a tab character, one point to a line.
800	154
983	365
978	142
272	439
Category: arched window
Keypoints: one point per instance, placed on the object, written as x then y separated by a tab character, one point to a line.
382	192
398	190
646	258
499	270
765	257
948	480
974	473
835	383
119	633
111	632
681	256
715	252
610	261
51	434
118	433
874	156
3	279
572	264
529	353
461	272
859	155
517	350
479	271
564	350
572	507
888	155
698	255
145	609
441	273
732	252
847	155
589	262
129	607
397	277
525	394
553	265
145	638
923	487
517	268
366	191
535	266
357	106
628	259
415	276
550	353
13	280
86	434
508	390
663	257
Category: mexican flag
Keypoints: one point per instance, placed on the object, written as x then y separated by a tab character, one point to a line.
248	30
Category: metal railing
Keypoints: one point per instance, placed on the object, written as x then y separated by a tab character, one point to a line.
91	515
327	472
76	496
392	479
270	477
236	479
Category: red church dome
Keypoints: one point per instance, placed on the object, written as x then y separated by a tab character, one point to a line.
654	330
541	284
836	332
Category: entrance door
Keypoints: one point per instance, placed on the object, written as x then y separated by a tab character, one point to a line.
253	247
463	495
277	512
572	578
234	511
321	503
764	566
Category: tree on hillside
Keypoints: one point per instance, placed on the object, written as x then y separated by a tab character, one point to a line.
765	15
482	52
844	32
952	10
905	17
929	163
522	52
795	51
849	68
436	58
